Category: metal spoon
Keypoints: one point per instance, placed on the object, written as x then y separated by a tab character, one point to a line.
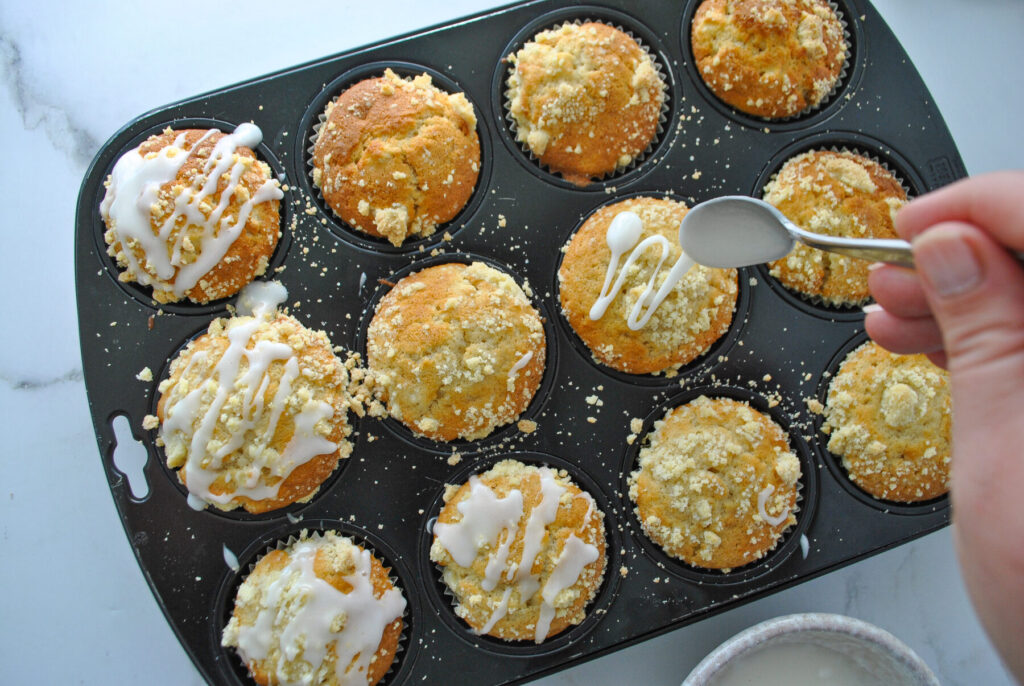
737	231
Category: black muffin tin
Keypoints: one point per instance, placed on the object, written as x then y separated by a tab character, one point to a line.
777	354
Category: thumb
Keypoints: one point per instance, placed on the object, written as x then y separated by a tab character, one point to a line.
975	290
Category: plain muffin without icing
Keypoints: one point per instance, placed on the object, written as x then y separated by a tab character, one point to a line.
192	213
321	610
717	483
838	194
696	312
888	418
459	349
586	99
253	413
769	58
522	550
397	157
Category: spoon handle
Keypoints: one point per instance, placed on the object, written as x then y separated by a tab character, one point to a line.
889	250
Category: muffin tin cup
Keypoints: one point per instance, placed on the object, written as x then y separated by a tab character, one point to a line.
835	462
647	41
234	670
517	220
314	118
144	294
444	601
504	434
834	141
701	364
788	542
847	80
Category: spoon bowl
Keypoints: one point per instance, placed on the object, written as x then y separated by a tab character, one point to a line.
738	231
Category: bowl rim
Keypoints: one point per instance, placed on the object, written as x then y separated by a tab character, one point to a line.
754	637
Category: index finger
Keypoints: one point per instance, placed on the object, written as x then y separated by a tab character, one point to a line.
992	202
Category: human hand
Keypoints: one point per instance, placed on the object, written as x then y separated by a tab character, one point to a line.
964	308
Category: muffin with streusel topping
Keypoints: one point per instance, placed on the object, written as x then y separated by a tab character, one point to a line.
459	350
888	418
395	158
716	483
320	610
694	313
836	193
769	58
522	550
586	99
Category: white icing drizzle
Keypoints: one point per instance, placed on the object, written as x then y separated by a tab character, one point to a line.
622	235
256	423
134	188
805	545
230	559
485	517
762	498
261	298
576	554
520	363
307	632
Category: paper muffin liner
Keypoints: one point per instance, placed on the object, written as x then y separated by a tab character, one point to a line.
815	299
412	241
826	99
525	646
317	535
663	114
781	548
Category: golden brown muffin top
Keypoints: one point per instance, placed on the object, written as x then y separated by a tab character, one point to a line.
334	594
696	312
397	157
253	412
522	550
459	349
769	58
213	216
888	417
838	194
717	483
586	99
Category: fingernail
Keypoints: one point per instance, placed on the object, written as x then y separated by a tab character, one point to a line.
875	265
872	307
947	262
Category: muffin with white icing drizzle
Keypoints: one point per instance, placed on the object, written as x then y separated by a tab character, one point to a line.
716	484
397	157
458	348
634	299
888	418
192	213
253	413
522	550
836	193
586	99
321	610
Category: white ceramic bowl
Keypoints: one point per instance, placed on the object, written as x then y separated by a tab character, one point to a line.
871	647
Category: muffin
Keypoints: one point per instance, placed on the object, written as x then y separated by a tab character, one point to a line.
458	349
321	610
769	58
522	550
888	419
694	314
717	484
396	157
838	194
192	213
253	413
586	99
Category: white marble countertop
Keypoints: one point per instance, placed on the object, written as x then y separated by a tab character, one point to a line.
75	606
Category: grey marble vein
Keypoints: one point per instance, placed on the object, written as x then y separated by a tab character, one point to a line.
73	376
62	132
